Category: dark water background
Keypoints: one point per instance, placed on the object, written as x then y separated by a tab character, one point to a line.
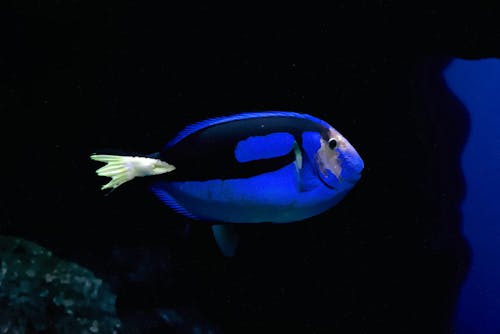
78	77
476	84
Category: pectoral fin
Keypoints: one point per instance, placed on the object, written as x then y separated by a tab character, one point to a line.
298	156
227	239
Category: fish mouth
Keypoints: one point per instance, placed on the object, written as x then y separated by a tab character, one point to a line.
355	171
355	177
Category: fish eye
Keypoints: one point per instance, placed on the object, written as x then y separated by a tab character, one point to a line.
332	144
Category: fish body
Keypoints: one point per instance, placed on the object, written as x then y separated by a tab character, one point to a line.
276	167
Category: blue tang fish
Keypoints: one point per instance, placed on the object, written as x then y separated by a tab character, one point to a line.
276	167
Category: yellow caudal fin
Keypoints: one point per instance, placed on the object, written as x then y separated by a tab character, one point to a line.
125	168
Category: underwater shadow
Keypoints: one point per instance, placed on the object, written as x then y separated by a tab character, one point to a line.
447	254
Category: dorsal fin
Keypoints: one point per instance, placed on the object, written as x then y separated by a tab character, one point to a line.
190	129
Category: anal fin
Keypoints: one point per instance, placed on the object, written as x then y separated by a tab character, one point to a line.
166	198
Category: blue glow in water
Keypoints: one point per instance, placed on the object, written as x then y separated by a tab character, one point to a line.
477	85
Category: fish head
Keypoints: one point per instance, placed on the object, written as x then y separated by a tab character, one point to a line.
336	162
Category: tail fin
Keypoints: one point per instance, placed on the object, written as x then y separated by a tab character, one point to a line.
125	168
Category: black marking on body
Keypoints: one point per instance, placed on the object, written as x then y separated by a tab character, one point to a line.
209	153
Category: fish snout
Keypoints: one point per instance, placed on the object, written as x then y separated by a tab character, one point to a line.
352	165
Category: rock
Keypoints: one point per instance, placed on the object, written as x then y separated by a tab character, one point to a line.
41	293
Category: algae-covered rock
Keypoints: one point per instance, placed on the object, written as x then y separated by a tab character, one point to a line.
41	293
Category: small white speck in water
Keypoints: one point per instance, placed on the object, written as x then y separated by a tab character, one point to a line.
95	327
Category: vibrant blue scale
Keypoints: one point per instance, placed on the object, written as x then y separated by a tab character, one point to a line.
271	197
264	147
